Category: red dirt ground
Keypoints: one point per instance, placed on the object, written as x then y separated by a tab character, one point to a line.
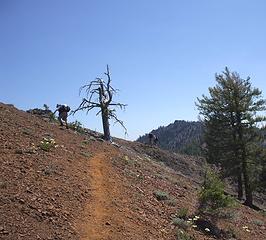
88	189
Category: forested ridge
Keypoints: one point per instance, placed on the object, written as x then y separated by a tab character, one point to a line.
180	136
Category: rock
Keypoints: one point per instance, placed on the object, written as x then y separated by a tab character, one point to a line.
116	145
91	138
19	151
3	231
41	112
21	201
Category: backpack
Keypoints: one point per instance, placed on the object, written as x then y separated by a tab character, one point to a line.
67	108
64	108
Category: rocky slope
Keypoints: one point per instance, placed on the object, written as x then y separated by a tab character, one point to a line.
85	188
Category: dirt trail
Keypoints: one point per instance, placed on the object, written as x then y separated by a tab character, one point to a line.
104	219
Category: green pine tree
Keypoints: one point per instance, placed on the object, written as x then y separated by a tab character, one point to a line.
212	198
232	136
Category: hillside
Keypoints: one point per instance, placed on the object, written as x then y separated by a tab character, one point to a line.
180	136
88	189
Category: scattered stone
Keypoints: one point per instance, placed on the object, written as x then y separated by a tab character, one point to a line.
116	145
19	151
22	201
30	151
91	138
43	113
3	231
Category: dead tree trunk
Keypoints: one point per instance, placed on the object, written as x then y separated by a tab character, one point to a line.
106	125
104	113
99	94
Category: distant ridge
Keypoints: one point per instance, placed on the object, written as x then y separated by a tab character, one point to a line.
180	136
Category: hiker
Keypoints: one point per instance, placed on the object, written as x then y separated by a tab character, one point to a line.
63	112
153	139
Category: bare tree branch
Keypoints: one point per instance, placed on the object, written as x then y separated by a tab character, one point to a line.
99	94
120	105
113	115
109	91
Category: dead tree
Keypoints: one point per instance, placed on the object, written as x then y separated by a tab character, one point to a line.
99	94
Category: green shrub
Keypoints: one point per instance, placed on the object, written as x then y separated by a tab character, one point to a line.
181	223
160	195
27	131
258	222
182	213
181	235
76	126
50	169
227	214
171	202
85	142
212	197
231	233
47	144
263	212
46	107
86	154
50	114
52	117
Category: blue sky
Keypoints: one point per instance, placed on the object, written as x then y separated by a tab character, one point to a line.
162	54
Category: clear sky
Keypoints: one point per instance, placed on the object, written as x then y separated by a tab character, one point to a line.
162	54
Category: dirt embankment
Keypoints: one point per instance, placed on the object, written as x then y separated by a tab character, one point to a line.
42	192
